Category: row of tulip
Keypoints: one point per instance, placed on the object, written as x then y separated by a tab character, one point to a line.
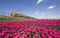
38	22
28	29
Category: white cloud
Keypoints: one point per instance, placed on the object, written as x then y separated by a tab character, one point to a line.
43	15
51	7
39	1
37	12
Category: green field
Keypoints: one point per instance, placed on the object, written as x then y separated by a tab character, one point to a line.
7	18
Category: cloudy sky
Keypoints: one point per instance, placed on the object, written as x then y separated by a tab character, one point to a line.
35	8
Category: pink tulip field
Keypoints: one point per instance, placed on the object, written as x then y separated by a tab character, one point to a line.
30	29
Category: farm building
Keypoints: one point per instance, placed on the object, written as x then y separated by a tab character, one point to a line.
17	15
